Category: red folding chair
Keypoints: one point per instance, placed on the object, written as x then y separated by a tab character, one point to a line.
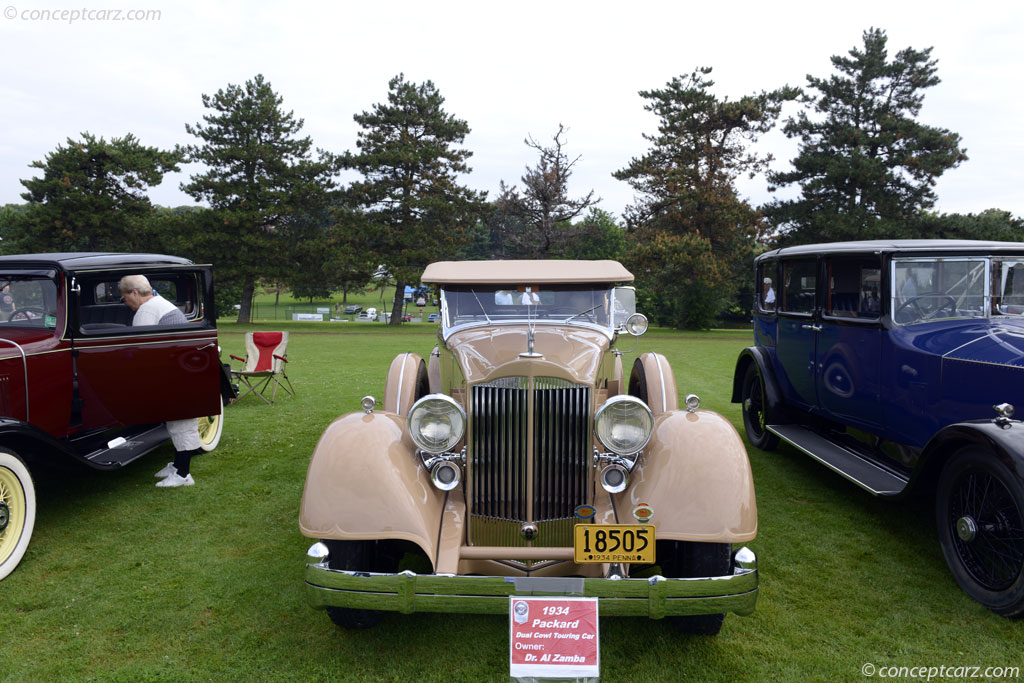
264	365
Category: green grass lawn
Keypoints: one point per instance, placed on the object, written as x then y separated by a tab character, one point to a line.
124	581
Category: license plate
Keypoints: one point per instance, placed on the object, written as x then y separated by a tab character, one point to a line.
613	543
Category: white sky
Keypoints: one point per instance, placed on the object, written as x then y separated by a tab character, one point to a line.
508	69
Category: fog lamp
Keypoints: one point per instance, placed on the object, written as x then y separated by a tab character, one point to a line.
445	475
614	478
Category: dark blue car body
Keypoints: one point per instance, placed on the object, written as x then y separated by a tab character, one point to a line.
897	364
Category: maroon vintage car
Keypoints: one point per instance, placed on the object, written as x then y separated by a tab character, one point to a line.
79	383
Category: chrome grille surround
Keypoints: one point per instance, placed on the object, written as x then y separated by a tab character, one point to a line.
528	460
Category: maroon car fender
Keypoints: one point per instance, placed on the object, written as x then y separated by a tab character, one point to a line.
695	476
365	482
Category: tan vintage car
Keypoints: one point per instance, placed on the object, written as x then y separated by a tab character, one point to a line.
521	459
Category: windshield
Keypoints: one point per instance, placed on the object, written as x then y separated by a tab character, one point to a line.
538	303
27	300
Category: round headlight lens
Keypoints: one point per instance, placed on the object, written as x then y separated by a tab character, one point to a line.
436	423
624	424
636	324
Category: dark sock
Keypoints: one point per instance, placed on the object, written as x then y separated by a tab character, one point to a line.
182	459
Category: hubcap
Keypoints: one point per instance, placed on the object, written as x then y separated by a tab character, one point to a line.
966	529
5	515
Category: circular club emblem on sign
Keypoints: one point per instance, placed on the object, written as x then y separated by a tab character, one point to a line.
643	513
585	511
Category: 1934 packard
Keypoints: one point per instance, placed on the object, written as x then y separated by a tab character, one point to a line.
521	459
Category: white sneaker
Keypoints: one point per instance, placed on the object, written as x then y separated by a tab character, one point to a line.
175	479
170	469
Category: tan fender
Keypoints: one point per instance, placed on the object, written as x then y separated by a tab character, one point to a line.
653	381
407	381
365	481
696	476
434	372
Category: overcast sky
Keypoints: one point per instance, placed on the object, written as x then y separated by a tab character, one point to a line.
509	69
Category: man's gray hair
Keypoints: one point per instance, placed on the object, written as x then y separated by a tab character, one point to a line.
137	282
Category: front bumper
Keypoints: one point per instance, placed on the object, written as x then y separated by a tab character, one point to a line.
654	597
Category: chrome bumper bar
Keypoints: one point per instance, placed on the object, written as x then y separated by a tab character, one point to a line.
654	597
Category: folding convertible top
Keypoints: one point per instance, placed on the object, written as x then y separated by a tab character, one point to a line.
524	272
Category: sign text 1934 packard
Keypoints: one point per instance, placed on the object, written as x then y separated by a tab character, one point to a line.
521	460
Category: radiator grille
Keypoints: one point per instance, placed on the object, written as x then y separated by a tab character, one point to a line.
517	476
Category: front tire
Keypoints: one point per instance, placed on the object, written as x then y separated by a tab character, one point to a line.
17	511
210	429
754	410
688	559
363	556
980	513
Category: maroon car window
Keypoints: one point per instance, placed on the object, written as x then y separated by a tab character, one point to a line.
27	300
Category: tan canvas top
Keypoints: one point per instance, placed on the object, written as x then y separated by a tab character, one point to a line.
524	272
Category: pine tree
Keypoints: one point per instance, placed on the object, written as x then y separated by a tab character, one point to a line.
91	196
259	175
866	167
690	232
410	202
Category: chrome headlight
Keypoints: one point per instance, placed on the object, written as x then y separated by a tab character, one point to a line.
624	424
436	423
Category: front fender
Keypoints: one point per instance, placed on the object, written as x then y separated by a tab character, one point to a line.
696	477
365	482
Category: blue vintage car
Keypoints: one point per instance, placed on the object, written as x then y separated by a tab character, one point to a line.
898	364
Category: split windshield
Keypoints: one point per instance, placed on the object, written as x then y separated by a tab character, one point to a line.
552	303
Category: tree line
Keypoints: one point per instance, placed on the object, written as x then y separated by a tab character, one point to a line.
865	168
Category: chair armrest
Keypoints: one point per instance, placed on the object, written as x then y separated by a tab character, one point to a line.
242	360
280	358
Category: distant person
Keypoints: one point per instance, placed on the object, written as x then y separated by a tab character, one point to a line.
769	293
156	310
6	300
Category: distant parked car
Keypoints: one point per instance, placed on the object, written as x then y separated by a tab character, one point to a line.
352	309
434	317
897	364
369	315
421	301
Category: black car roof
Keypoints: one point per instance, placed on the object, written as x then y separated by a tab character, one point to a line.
896	246
93	259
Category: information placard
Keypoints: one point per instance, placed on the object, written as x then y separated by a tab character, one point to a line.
553	638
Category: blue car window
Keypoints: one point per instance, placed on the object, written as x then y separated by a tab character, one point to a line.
939	289
799	281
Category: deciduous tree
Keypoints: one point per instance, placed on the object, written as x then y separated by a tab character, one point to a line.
866	167
540	216
412	207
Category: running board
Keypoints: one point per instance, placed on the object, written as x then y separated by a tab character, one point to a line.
856	467
128	447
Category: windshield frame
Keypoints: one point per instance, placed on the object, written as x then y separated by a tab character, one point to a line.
540	315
